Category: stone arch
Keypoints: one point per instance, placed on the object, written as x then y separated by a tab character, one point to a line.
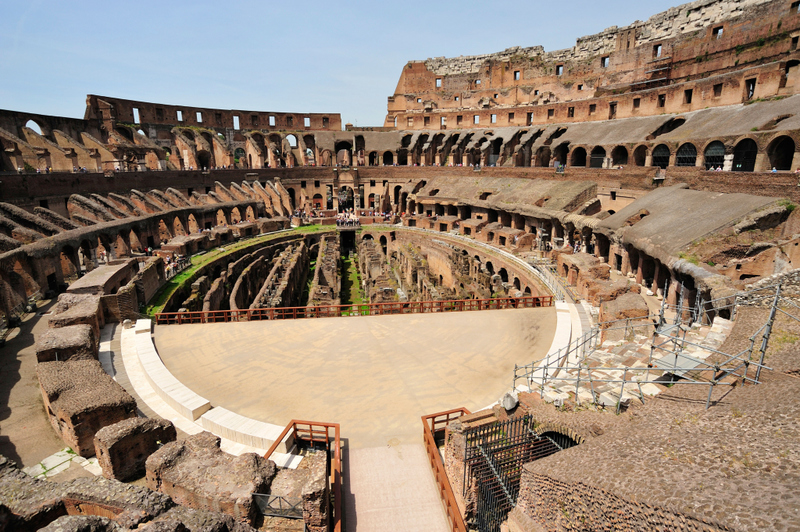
714	155
384	242
578	156
177	227
661	154
542	157
388	158
221	218
560	153
549	427
598	157
373	158
70	264
686	155
744	155
640	155
35	126
236	216
344	151
317	201
249	215
371	201
503	273
105	249
163	232
619	156
203	159
292	140
121	247
490	267
192	224
781	152
135	241
402	157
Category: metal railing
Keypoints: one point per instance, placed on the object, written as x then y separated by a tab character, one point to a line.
433	427
328	435
277	506
668	337
365	309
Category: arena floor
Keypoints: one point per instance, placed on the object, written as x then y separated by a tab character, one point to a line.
374	375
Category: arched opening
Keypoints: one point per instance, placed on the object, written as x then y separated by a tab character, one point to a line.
191	221
30	124
238	156
343	153
292	140
619	156
373	158
687	155
561	441
177	227
494	155
598	157
249	214
640	155
402	158
203	159
292	200
661	156
517	283
317	201
70	265
781	153
121	248
560	153
383	242
714	156
135	242
346	196
503	275
744	156
388	158
542	158
371	202
221	219
578	157
490	267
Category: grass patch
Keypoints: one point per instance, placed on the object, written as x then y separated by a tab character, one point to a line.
351	282
159	300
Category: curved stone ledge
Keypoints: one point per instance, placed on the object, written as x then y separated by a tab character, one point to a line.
170	389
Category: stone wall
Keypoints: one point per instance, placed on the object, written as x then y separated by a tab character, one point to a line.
327	283
556	506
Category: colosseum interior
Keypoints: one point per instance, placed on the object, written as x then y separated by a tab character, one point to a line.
580	269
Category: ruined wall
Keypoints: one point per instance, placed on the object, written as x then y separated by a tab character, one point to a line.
327	284
692	47
123	448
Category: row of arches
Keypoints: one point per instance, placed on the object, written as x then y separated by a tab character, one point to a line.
742	157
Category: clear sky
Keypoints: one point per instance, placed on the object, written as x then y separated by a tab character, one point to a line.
310	56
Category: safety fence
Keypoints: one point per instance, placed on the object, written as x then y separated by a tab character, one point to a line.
365	309
433	428
315	434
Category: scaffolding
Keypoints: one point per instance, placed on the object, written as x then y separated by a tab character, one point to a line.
669	361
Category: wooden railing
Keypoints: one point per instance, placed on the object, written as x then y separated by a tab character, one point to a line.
433	424
365	309
320	432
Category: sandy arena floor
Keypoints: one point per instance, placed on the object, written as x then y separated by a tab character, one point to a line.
374	375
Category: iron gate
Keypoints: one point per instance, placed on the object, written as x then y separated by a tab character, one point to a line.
494	456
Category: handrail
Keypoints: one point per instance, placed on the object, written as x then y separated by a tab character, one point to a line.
320	432
361	309
429	430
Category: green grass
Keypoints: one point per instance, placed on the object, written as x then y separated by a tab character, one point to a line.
351	282
159	300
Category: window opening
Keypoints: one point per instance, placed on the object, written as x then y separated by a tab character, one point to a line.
604	62
637	102
559	70
306	122
656	51
516	75
135	115
476	119
717	90
199	117
571	112
235	122
750	87
180	116
687	96
662	100
438	83
717	32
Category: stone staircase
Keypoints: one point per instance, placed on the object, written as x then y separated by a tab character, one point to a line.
617	371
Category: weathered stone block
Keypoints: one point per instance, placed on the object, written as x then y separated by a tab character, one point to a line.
196	473
123	448
80	399
74	342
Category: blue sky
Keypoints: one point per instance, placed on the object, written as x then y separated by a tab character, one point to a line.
309	56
